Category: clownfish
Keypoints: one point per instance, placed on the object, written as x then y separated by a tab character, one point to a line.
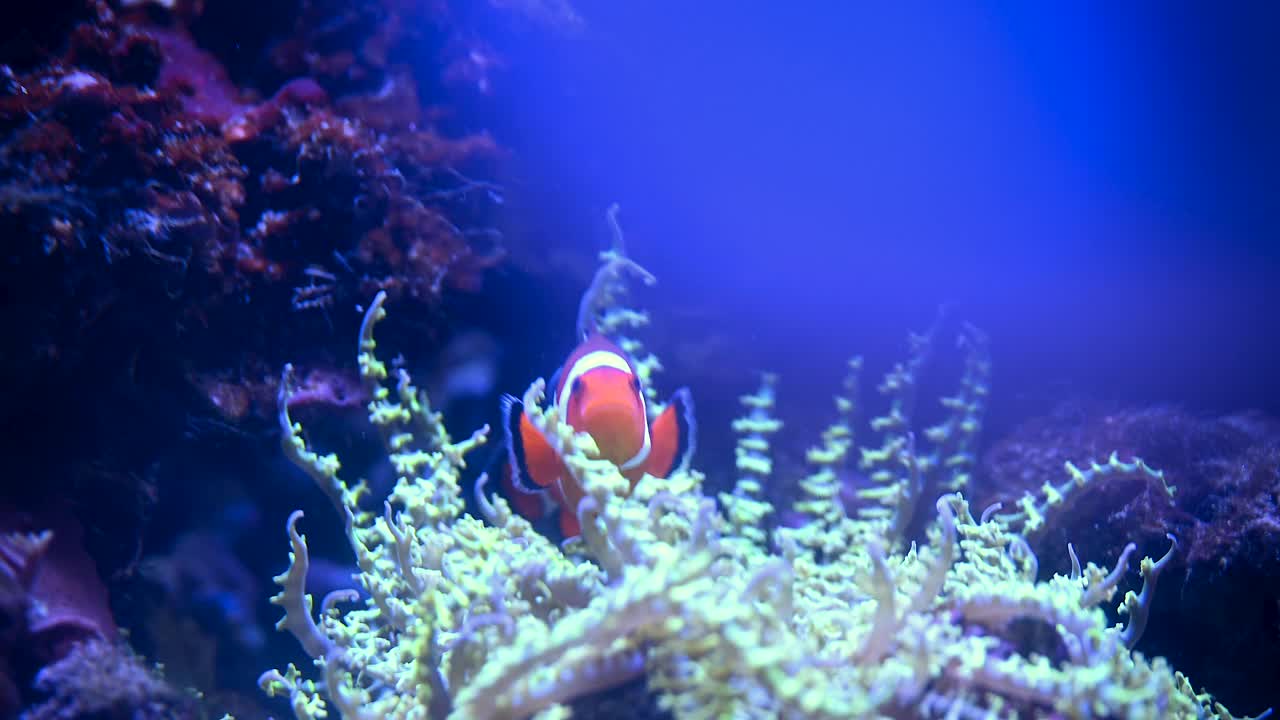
597	391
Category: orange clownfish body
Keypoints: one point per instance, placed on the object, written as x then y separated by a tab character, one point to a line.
597	392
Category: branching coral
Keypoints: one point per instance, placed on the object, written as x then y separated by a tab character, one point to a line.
484	618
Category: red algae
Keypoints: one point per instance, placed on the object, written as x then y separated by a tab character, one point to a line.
185	215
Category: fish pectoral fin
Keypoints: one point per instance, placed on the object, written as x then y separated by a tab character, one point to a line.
534	463
674	435
533	505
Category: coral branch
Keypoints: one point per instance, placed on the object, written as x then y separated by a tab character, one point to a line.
849	617
293	597
1138	607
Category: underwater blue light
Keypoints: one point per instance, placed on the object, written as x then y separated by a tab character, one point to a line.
1072	176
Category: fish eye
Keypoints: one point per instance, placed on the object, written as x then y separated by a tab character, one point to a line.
577	386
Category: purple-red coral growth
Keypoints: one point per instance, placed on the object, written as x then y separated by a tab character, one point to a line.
193	193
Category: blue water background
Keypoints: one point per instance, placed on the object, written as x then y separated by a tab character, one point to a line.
1095	184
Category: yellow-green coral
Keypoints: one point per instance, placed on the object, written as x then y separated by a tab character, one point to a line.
601	310
465	617
745	508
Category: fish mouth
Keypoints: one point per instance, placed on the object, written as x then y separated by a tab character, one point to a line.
617	430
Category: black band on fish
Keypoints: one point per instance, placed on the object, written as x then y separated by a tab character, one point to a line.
512	412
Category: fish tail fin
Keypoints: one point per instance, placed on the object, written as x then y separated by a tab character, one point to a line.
569	526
